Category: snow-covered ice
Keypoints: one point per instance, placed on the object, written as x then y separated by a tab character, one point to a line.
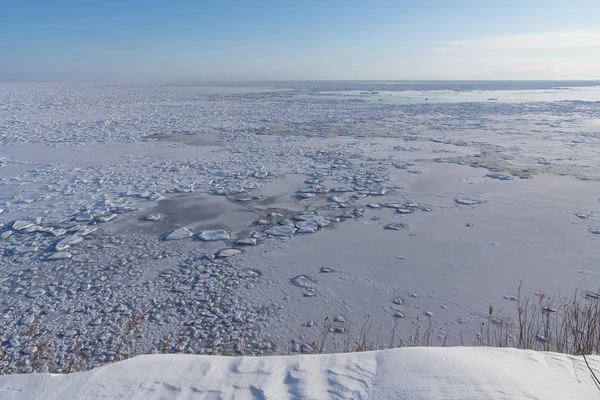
103	189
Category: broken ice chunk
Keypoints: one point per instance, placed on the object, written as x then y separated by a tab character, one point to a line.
468	202
32	294
178	234
22	224
87	230
213	235
304	282
107	217
249	273
308	217
499	176
68	241
337	199
84	216
378	192
280	230
228	253
246	242
60	255
343	189
307	226
394	227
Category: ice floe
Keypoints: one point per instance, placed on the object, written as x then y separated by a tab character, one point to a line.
178	234
280	230
246	241
468	201
59	255
304	282
213	235
23	224
68	241
228	253
34	293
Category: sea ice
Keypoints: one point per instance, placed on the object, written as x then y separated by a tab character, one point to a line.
304	282
64	244
394	227
309	217
499	176
249	273
307	226
378	192
26	320
213	235
246	241
280	230
468	202
87	230
228	253
84	216
60	255
58	232
21	249
107	217
34	293
22	224
343	189
337	199
393	205
178	234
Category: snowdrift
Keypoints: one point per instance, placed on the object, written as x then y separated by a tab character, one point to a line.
407	373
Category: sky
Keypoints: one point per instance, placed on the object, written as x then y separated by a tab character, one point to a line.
210	40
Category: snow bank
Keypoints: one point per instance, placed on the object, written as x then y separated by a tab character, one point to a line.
408	373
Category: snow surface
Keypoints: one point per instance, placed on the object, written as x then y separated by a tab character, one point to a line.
408	374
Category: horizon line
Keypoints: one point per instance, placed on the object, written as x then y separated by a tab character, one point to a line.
219	81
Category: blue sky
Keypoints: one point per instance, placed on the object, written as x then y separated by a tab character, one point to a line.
181	40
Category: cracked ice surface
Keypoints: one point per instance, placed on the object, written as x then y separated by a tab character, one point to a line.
272	196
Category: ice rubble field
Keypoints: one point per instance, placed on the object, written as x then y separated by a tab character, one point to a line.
243	218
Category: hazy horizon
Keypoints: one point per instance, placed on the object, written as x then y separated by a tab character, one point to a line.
352	40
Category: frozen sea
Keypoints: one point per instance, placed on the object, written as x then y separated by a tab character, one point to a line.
242	215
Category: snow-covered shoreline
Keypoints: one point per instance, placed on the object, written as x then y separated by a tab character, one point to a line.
458	373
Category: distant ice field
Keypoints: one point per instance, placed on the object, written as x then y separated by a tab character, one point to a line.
245	215
451	96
